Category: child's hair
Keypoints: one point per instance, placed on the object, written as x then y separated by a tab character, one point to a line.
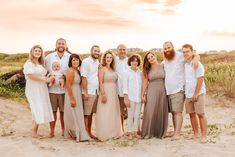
55	62
133	57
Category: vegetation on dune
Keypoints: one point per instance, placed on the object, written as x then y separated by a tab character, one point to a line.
219	76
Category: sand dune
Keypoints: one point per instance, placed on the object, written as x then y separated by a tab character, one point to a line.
15	140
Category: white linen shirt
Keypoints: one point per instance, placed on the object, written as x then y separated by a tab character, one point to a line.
175	78
191	76
64	60
121	66
132	83
89	69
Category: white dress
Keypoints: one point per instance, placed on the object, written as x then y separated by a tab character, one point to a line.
37	94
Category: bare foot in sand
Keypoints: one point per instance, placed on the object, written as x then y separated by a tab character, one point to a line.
203	140
170	134
93	137
195	136
175	137
37	136
51	135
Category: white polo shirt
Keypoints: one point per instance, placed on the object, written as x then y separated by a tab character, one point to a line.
175	78
191	76
89	69
64	60
121	66
132	83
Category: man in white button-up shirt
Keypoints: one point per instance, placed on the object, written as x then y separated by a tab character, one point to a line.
90	85
56	93
121	66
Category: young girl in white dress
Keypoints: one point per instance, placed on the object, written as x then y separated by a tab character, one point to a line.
36	89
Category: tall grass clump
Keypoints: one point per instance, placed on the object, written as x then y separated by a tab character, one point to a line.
220	78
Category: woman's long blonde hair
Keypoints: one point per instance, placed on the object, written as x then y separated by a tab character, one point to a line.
31	57
103	61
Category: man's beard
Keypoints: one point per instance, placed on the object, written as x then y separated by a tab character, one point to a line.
95	56
169	55
60	49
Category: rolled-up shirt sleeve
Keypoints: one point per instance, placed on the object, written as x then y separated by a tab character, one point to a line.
84	69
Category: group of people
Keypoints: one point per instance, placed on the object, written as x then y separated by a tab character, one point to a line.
113	88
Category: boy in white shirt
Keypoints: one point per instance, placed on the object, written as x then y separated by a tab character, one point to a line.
195	93
132	94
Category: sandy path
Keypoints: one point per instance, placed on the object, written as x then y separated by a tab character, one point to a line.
15	140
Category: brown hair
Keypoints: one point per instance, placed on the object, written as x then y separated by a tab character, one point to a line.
103	61
94	47
74	56
133	57
188	46
31	57
80	62
147	65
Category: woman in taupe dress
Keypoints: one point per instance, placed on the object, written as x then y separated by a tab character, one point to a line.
155	120
73	108
108	116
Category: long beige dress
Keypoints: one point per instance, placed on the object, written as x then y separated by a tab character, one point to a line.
108	117
155	120
74	117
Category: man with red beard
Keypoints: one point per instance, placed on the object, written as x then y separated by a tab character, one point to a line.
174	83
56	93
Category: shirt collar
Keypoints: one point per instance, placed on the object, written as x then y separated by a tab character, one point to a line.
64	55
93	61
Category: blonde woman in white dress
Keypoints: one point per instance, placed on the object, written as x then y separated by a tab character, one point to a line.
36	89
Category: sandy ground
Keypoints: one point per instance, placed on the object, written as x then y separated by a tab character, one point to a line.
15	140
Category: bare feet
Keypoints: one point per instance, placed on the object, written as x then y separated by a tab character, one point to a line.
203	140
175	137
170	134
37	136
93	136
195	136
137	136
51	135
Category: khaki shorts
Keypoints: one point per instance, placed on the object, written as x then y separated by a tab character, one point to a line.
197	107
90	105
176	102
57	101
123	108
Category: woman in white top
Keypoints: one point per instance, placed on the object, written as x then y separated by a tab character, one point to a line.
36	89
132	94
